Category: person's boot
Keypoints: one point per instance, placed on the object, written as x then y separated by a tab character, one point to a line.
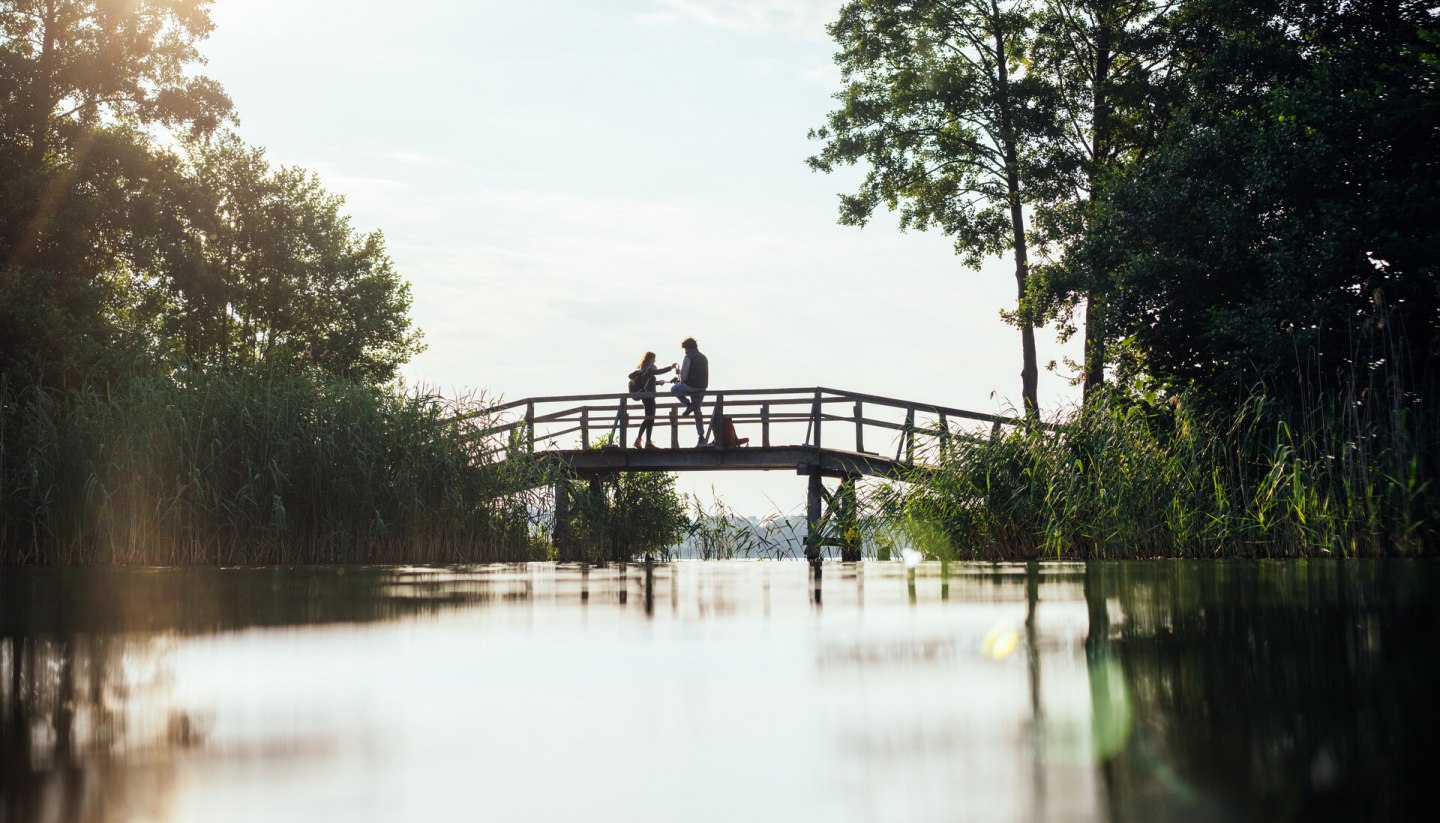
637	442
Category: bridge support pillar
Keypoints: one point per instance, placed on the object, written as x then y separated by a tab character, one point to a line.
833	518
812	519
601	528
560	534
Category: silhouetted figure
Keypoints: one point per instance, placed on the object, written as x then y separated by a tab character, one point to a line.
642	382
694	379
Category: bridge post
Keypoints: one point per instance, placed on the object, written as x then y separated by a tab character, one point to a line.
717	421
859	426
624	423
765	425
817	415
560	534
910	437
812	517
674	427
600	510
530	426
907	438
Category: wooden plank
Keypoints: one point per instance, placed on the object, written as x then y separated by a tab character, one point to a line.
580	398
922	407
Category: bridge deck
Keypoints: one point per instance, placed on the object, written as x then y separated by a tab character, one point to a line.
806	460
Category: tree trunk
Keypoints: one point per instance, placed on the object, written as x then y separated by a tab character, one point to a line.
1029	370
1100	147
1094	346
22	238
42	100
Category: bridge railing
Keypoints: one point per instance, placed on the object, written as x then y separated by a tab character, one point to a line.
829	418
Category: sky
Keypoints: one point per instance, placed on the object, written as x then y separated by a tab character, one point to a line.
567	184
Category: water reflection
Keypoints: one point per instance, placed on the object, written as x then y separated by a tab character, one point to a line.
1269	691
1143	691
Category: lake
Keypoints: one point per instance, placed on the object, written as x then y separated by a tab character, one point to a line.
721	691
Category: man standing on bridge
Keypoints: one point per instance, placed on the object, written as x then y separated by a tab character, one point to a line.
694	379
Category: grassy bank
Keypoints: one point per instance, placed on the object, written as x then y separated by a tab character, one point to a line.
251	470
1130	479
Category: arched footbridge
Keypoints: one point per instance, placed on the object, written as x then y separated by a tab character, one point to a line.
815	432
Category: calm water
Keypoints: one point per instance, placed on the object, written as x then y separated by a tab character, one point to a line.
722	691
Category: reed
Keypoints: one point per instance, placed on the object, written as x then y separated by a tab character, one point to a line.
247	469
1345	477
718	532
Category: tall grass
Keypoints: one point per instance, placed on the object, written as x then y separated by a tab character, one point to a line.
242	469
1128	479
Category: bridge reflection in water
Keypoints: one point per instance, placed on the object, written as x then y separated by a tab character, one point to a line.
782	429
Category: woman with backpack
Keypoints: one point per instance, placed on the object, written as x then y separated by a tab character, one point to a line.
642	382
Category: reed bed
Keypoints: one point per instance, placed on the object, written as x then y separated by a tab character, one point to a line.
1128	479
245	469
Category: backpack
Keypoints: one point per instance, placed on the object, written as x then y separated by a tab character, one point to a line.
635	385
732	440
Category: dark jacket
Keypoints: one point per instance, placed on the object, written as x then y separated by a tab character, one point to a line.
696	371
647	377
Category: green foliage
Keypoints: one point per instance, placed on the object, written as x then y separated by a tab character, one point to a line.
938	104
191	342
630	514
924	86
285	282
70	65
720	533
1129	479
118	256
240	469
1108	64
1282	231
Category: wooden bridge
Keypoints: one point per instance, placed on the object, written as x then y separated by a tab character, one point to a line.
846	435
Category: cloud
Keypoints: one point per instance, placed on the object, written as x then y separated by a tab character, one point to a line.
410	158
808	16
827	75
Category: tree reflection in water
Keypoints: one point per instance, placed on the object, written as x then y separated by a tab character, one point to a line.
84	683
73	706
1269	691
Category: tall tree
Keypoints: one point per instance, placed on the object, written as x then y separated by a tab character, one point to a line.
1283	231
1108	61
938	102
83	193
286	280
72	64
